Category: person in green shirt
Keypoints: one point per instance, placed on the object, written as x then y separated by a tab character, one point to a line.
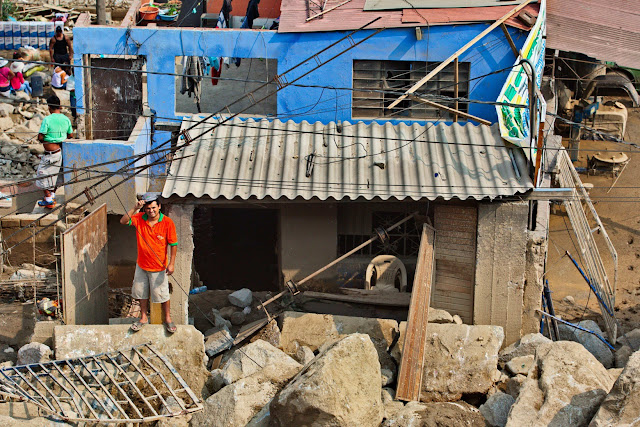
55	129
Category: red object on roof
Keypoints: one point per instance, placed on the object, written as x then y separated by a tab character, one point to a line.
351	16
267	8
606	30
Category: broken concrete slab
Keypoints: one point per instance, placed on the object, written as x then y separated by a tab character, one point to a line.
622	405
270	333
592	343
341	387
462	359
254	357
439	316
314	330
34	352
304	355
565	387
184	348
241	298
217	341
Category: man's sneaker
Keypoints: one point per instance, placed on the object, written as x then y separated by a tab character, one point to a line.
45	204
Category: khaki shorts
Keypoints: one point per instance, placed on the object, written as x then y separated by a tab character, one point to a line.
152	284
50	164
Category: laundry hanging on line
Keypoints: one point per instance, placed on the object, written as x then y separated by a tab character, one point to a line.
192	75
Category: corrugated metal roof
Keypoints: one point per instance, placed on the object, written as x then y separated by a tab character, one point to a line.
605	30
351	16
263	159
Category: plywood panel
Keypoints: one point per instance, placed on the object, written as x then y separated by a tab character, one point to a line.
415	341
85	275
455	259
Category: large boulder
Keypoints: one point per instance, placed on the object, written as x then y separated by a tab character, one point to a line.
524	347
564	388
341	387
496	409
622	405
436	414
184	349
241	298
254	357
33	352
591	342
314	330
461	359
253	375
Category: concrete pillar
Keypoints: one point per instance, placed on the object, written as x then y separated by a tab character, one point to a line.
500	266
309	239
182	216
537	246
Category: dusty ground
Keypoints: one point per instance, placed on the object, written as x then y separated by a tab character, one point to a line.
620	214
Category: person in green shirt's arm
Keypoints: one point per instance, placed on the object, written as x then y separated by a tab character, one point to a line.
55	129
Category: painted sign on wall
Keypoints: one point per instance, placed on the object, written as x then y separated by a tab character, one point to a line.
514	121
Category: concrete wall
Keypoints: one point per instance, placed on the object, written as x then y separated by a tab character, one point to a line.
160	46
182	216
500	266
308	239
83	153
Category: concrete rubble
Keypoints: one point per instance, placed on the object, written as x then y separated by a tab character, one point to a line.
319	369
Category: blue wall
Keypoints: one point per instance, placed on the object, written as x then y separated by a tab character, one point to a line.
161	46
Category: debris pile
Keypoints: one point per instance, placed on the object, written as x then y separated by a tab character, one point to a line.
319	369
19	147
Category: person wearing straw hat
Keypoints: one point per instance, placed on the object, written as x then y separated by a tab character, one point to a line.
18	82
155	233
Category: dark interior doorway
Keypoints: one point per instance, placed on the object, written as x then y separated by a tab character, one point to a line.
236	248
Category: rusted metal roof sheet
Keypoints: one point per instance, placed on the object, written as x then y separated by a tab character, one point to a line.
608	30
276	160
351	16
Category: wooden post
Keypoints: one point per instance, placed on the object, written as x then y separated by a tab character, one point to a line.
456	81
155	318
510	40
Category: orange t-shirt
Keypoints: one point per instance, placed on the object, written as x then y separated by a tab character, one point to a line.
152	242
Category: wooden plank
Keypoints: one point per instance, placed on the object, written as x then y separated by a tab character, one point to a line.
459	52
415	341
451	110
514	49
85	286
388	299
456	83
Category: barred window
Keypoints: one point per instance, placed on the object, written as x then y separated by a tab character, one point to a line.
370	78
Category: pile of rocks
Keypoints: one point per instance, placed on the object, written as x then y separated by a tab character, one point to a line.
19	148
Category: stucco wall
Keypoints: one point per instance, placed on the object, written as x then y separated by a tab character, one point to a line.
160	46
308	236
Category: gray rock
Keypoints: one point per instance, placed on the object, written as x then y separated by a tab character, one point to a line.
436	414
341	387
227	311
387	377
219	321
241	298
622	356
496	409
514	384
34	352
7	353
218	341
621	407
215	381
304	355
525	346
520	365
238	318
569	299
589	341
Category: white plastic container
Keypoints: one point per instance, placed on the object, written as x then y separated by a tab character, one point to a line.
42	29
24	29
50	29
8	43
43	43
17	42
8	29
15	29
24	41
33	42
33	29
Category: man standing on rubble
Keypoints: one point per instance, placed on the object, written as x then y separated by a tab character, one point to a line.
154	232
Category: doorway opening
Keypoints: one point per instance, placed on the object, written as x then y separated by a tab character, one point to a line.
236	248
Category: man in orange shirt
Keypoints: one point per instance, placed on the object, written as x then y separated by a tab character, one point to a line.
154	232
